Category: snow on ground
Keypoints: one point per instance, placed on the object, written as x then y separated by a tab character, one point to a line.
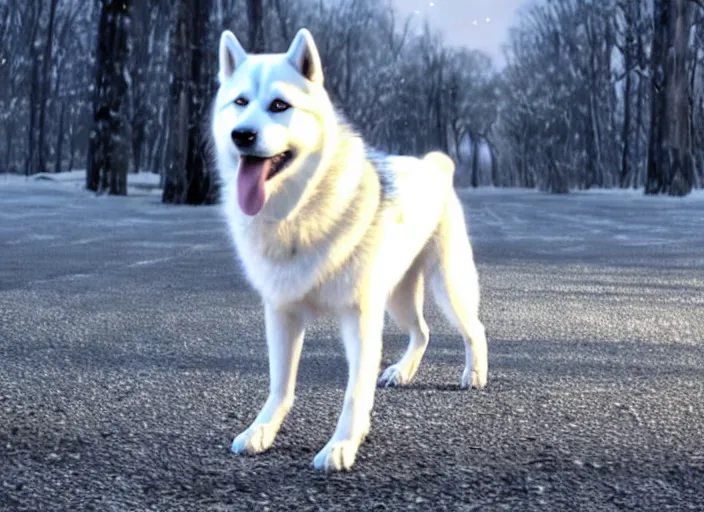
583	224
607	225
580	223
148	183
143	183
614	193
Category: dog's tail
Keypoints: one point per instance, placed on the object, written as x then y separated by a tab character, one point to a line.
441	161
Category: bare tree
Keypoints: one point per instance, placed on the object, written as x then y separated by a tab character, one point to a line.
628	50
14	75
61	60
35	17
697	97
255	14
188	179
108	156
45	84
670	160
573	110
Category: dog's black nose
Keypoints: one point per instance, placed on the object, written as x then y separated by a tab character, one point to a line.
244	138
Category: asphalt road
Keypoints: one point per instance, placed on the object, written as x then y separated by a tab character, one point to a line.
131	352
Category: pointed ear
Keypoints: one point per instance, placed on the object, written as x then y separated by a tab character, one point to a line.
304	56
231	55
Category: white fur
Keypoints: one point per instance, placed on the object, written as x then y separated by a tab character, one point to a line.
338	235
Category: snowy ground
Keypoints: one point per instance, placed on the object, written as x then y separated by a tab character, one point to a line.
131	351
137	184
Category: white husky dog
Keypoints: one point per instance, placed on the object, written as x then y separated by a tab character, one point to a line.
324	225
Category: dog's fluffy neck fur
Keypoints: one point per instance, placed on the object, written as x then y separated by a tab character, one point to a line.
344	174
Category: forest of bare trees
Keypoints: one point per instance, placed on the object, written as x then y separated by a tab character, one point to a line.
606	93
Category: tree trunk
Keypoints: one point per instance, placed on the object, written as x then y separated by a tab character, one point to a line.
60	138
31	165
593	158
698	123
495	177
628	64
56	94
162	146
71	147
9	132
475	161
557	181
45	84
692	95
626	135
109	141
640	103
255	14
670	160
440	121
283	21
595	169
137	145
31	161
187	178
140	66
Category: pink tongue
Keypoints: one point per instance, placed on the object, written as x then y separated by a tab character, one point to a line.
251	180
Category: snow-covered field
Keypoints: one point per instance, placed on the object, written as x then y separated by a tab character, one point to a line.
137	184
596	224
142	182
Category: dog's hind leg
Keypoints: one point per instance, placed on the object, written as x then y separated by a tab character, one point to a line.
454	283
406	308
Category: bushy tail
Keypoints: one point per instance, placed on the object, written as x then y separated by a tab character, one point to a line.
441	161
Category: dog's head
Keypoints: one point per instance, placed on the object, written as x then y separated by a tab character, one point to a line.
270	119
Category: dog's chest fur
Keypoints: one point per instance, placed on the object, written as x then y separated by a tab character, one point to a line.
344	243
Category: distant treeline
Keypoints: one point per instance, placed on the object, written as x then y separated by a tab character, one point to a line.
594	94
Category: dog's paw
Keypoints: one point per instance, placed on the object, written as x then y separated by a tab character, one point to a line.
474	379
395	375
256	439
336	456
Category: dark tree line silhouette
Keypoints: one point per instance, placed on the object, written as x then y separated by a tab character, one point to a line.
606	93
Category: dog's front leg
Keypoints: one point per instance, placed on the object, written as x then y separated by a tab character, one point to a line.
361	335
284	337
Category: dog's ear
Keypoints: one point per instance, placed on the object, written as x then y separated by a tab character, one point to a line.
303	54
231	54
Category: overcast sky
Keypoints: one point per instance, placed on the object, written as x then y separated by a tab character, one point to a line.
479	24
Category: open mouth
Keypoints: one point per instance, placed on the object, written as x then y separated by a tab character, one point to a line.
272	165
252	175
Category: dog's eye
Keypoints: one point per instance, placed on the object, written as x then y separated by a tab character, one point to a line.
278	106
242	102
